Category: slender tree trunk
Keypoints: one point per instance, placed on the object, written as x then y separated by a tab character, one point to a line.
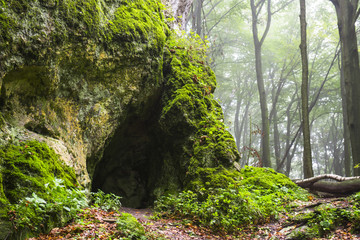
289	123
338	166
307	160
346	133
198	17
276	138
237	129
265	140
347	14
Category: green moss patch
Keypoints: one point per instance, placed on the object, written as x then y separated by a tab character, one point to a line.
138	21
28	167
35	31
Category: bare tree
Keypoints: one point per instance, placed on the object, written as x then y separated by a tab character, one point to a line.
258	42
307	160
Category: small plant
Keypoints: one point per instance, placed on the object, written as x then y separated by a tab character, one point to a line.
107	202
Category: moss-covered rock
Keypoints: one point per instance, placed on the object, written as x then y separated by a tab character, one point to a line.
26	169
123	100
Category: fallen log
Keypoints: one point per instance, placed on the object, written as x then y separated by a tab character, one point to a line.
338	185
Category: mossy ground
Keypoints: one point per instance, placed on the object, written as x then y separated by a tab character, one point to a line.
227	200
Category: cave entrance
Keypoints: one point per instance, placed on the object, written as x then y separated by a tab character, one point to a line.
131	162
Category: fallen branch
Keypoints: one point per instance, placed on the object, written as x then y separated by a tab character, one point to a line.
341	186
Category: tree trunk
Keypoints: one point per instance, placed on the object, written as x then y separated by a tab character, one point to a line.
347	14
265	140
307	161
180	10
237	127
346	132
197	18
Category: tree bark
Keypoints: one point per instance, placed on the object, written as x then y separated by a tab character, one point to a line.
237	127
307	160
347	13
180	10
346	133
265	140
342	186
197	18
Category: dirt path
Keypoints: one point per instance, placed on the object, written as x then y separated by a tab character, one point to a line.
170	229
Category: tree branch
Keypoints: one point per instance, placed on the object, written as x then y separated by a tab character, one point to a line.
282	7
223	17
267	23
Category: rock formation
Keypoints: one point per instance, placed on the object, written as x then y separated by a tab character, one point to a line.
121	99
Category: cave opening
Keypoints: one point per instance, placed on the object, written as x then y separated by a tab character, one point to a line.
131	162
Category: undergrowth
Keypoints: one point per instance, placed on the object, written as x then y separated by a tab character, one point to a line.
39	215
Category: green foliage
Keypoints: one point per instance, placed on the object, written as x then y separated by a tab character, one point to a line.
130	227
227	200
39	215
106	202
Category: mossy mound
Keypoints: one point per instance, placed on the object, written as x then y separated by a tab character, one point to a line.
226	200
265	178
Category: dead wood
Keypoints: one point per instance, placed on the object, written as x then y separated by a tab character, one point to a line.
340	187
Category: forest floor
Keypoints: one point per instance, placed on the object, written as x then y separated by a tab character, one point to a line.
98	224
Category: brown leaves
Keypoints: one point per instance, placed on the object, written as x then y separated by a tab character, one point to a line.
93	223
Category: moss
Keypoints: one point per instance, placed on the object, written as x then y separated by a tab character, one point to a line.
3	200
29	29
138	21
6	24
217	177
130	227
189	108
28	167
265	178
2	121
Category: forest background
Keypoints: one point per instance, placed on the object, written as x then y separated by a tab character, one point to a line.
228	28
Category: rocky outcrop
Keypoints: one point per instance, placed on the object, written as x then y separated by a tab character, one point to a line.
123	101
